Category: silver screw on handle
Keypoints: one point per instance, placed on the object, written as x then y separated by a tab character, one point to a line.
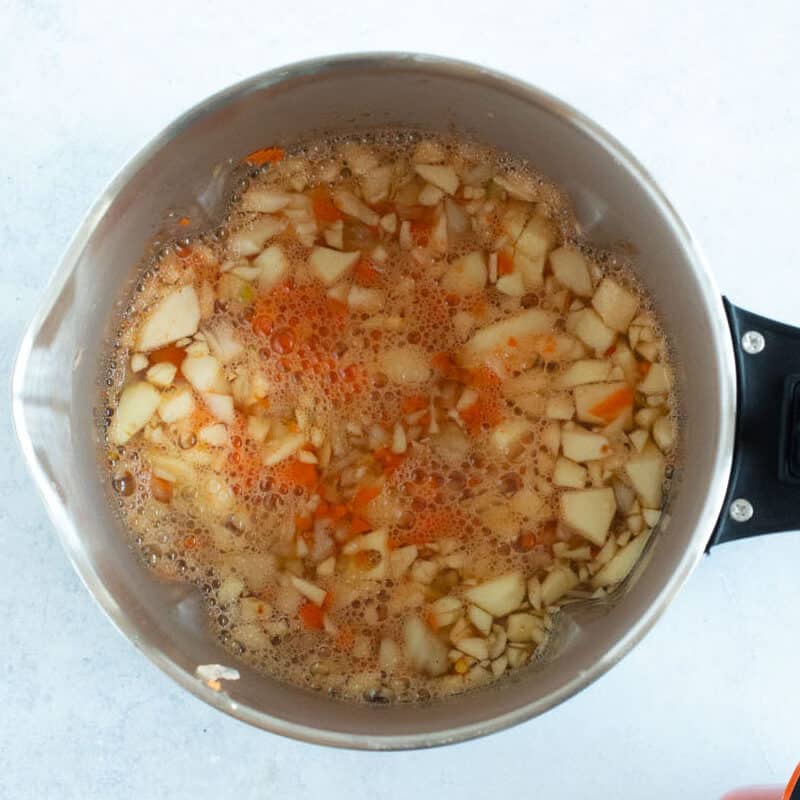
753	342
741	510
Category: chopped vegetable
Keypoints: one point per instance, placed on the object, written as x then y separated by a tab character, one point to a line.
137	404
589	512
570	269
311	616
331	265
265	155
176	315
500	595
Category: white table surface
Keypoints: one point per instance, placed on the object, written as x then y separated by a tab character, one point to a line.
706	93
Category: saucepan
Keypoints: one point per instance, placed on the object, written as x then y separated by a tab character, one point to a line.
738	379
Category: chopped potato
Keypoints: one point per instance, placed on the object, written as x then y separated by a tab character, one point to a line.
507	436
331	265
589	512
466	275
602	403
646	473
619	567
557	583
439	175
584	371
616	305
424	650
663	433
523	327
499	596
579	444
537	238
175	316
175	406
273	267
405	365
569	267
220	406
251	240
590	329
205	374
656	381
569	474
137	403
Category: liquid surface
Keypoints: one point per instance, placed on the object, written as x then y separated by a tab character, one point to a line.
391	417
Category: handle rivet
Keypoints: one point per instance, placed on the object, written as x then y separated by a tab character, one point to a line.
753	342
741	510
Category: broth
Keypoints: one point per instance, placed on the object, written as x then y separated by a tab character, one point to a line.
391	417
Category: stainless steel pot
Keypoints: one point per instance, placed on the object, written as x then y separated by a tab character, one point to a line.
55	378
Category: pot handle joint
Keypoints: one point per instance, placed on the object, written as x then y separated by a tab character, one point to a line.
764	490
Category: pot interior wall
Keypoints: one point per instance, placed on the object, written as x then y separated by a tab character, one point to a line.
612	204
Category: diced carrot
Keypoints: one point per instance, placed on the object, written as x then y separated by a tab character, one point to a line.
344	638
613	405
611	350
184	221
337	307
323	510
303	523
311	616
526	541
414	403
643	367
160	489
365	273
364	497
189	542
505	263
293	472
420	232
265	155
359	525
339	510
324	208
512	342
171	354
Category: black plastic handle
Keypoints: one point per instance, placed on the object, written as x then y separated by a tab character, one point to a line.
764	490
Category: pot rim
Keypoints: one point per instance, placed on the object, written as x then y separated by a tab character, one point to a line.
712	301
